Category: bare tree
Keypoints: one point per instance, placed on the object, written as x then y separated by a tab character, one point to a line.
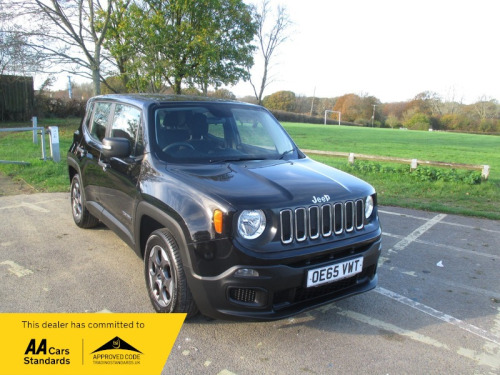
16	58
485	107
66	33
269	39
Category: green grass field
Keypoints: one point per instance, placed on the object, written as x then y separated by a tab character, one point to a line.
443	196
398	189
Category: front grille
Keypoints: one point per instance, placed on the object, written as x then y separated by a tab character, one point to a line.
324	221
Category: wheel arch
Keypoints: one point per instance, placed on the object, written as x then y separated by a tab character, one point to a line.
150	218
73	168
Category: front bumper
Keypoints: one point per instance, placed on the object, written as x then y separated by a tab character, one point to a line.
280	290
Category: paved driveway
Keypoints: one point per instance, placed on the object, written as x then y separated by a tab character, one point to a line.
436	310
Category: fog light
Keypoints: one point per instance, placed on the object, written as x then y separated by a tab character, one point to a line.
246	272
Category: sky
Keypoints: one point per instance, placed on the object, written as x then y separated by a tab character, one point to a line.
390	49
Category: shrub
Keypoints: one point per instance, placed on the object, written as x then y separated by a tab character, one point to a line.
418	121
427	174
52	107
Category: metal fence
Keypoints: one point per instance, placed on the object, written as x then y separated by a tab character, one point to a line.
37	131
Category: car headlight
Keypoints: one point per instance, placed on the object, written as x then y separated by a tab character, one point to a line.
368	206
251	224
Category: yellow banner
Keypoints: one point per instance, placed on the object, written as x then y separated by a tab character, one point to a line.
86	344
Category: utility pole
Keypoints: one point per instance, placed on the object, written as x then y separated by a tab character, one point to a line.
312	104
70	92
373	115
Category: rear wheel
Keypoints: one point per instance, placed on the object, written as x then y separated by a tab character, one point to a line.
165	277
82	217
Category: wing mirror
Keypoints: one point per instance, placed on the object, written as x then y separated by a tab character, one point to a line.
115	147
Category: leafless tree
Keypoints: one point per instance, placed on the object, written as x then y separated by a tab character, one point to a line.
486	107
269	38
66	33
16	58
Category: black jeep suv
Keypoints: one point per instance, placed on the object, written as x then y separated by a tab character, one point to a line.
230	217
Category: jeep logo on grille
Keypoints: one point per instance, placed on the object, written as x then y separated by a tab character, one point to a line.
325	198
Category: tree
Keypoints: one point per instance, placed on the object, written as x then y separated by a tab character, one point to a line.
269	40
427	102
16	57
65	33
195	42
281	101
419	121
222	94
486	108
357	109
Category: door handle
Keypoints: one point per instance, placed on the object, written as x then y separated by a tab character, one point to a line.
104	165
81	151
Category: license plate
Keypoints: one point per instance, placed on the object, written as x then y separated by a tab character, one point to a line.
334	272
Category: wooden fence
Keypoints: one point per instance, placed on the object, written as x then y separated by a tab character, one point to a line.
414	163
16	98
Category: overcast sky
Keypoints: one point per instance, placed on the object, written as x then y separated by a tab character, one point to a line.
391	49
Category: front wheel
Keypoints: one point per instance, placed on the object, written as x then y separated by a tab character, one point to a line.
82	217
165	277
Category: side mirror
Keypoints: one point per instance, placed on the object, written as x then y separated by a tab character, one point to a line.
115	147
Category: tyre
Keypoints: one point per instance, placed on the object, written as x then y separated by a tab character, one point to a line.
165	277
82	217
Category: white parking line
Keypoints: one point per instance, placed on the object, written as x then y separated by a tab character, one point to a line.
31	206
490	358
443	246
16	269
440	315
406	241
442	222
435	280
392	328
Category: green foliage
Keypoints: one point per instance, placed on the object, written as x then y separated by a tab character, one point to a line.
280	101
418	121
205	42
222	94
427	174
59	108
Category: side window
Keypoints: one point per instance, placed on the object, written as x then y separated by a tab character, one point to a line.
126	123
88	115
99	121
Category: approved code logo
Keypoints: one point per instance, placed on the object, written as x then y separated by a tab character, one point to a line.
116	352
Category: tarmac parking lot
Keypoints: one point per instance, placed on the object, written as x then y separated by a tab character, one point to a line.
436	309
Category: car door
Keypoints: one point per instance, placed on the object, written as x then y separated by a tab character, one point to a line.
89	152
118	190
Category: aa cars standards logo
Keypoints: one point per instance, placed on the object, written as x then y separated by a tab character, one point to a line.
116	352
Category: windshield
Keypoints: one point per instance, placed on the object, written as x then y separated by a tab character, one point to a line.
216	132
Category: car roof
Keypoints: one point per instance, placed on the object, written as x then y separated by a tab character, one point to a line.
144	100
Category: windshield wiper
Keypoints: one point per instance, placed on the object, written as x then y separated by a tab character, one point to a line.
240	158
286	153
